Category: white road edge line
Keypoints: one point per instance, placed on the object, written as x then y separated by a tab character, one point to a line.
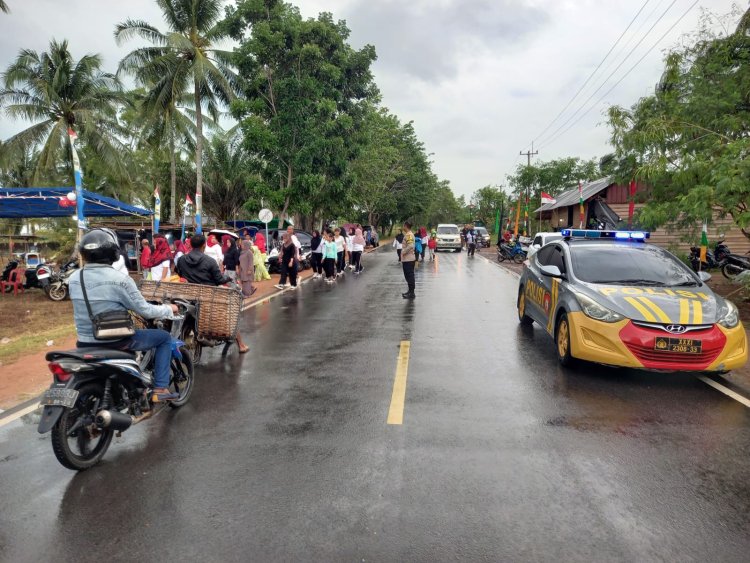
19	414
726	390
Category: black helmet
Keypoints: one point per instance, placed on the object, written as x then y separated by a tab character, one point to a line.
100	246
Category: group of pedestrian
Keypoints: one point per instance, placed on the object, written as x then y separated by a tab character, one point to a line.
334	251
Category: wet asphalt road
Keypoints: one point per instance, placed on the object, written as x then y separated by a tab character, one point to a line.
285	455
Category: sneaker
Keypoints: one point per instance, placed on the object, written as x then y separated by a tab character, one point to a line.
279	286
287	285
361	269
163	395
292	287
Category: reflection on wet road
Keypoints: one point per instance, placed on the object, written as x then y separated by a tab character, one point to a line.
285	454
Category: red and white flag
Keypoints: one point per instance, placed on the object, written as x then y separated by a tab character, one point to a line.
188	201
546	198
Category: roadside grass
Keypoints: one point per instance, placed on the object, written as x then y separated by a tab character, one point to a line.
29	321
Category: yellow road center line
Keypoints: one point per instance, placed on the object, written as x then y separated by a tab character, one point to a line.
726	390
396	411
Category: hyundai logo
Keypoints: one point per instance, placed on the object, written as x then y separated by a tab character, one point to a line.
676	329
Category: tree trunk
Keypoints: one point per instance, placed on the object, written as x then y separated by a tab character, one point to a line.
198	159
172	183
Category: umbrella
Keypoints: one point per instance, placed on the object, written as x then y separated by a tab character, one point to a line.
220	232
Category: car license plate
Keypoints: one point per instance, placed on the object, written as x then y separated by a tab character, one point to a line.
680	345
59	398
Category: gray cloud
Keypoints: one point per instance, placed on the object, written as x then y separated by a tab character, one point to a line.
428	40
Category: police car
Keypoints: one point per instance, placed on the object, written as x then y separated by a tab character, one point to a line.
610	297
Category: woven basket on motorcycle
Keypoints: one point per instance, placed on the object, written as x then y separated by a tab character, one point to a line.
217	308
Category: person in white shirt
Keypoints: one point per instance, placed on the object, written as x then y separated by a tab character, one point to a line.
340	251
295	240
213	249
358	247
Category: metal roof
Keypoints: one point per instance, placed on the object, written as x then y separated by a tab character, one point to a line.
572	197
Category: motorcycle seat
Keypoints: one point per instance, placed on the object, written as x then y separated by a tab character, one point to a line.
90	354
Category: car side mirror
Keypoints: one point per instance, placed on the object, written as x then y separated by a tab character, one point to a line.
551	271
704	276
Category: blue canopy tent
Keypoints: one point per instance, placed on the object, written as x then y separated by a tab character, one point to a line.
28	203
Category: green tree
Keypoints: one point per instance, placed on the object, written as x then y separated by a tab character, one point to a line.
227	177
689	140
304	93
4	7
58	93
552	177
489	201
183	57
442	207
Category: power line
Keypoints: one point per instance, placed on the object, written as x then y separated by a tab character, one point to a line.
639	61
593	73
583	105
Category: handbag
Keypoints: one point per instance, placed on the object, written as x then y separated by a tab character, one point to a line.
112	325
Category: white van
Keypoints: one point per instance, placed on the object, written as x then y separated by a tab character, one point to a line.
540	239
448	237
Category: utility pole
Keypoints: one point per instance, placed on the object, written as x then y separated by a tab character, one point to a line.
528	154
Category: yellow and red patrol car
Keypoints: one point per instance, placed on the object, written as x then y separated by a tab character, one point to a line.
609	297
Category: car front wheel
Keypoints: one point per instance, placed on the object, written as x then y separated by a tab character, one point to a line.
562	341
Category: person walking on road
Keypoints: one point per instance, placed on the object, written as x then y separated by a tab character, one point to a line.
470	242
245	268
329	256
231	256
432	245
213	250
145	259
340	251
358	247
289	258
408	257
316	245
398	243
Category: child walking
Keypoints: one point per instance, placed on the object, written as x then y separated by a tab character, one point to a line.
329	256
340	251
432	245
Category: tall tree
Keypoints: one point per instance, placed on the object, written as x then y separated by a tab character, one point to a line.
4	7
552	177
488	201
57	92
303	93
184	56
690	140
227	177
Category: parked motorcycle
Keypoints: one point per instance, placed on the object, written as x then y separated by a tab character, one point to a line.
98	391
714	259
734	265
274	266
57	288
511	252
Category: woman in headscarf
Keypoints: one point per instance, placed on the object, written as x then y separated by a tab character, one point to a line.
231	256
289	257
316	245
160	259
246	271
261	272
179	251
358	247
213	249
425	239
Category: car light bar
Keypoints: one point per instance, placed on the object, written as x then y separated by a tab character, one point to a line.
617	235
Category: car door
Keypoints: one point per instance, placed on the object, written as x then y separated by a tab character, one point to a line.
554	255
537	288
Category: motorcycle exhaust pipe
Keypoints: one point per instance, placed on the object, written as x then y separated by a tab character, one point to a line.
114	420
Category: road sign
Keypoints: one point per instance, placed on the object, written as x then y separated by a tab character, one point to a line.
265	215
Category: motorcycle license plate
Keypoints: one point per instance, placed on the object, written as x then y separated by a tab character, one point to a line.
42	276
679	345
59	398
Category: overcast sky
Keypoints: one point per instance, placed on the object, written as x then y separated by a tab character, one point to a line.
481	79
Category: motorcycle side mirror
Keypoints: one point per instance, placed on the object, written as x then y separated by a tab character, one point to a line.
704	276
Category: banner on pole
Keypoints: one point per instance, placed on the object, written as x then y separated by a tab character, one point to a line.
78	176
580	201
157	209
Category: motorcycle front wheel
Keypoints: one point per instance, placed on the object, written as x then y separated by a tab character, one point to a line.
519	258
730	271
77	441
181	379
58	292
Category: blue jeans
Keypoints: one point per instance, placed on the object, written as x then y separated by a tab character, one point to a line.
161	342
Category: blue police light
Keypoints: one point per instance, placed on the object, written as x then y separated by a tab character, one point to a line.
617	235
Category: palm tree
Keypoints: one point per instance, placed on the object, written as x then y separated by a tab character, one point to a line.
227	176
183	57
58	93
4	7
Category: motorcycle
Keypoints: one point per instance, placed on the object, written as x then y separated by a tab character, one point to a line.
734	265
274	266
57	287
512	253
99	391
714	259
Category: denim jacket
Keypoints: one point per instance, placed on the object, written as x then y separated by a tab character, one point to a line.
108	290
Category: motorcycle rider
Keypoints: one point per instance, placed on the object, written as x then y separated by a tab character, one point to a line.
198	267
110	290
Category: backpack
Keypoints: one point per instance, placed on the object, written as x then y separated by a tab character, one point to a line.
418	245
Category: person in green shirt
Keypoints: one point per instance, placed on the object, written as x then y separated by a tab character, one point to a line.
330	255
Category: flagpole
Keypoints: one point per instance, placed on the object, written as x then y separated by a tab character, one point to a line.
77	175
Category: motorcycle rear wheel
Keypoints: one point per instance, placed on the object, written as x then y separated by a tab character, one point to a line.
58	292
519	258
89	400
182	378
190	337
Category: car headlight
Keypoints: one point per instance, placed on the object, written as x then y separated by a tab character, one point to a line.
595	310
729	316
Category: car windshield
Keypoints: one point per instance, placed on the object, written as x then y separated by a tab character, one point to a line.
447	230
482	231
550	238
629	264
